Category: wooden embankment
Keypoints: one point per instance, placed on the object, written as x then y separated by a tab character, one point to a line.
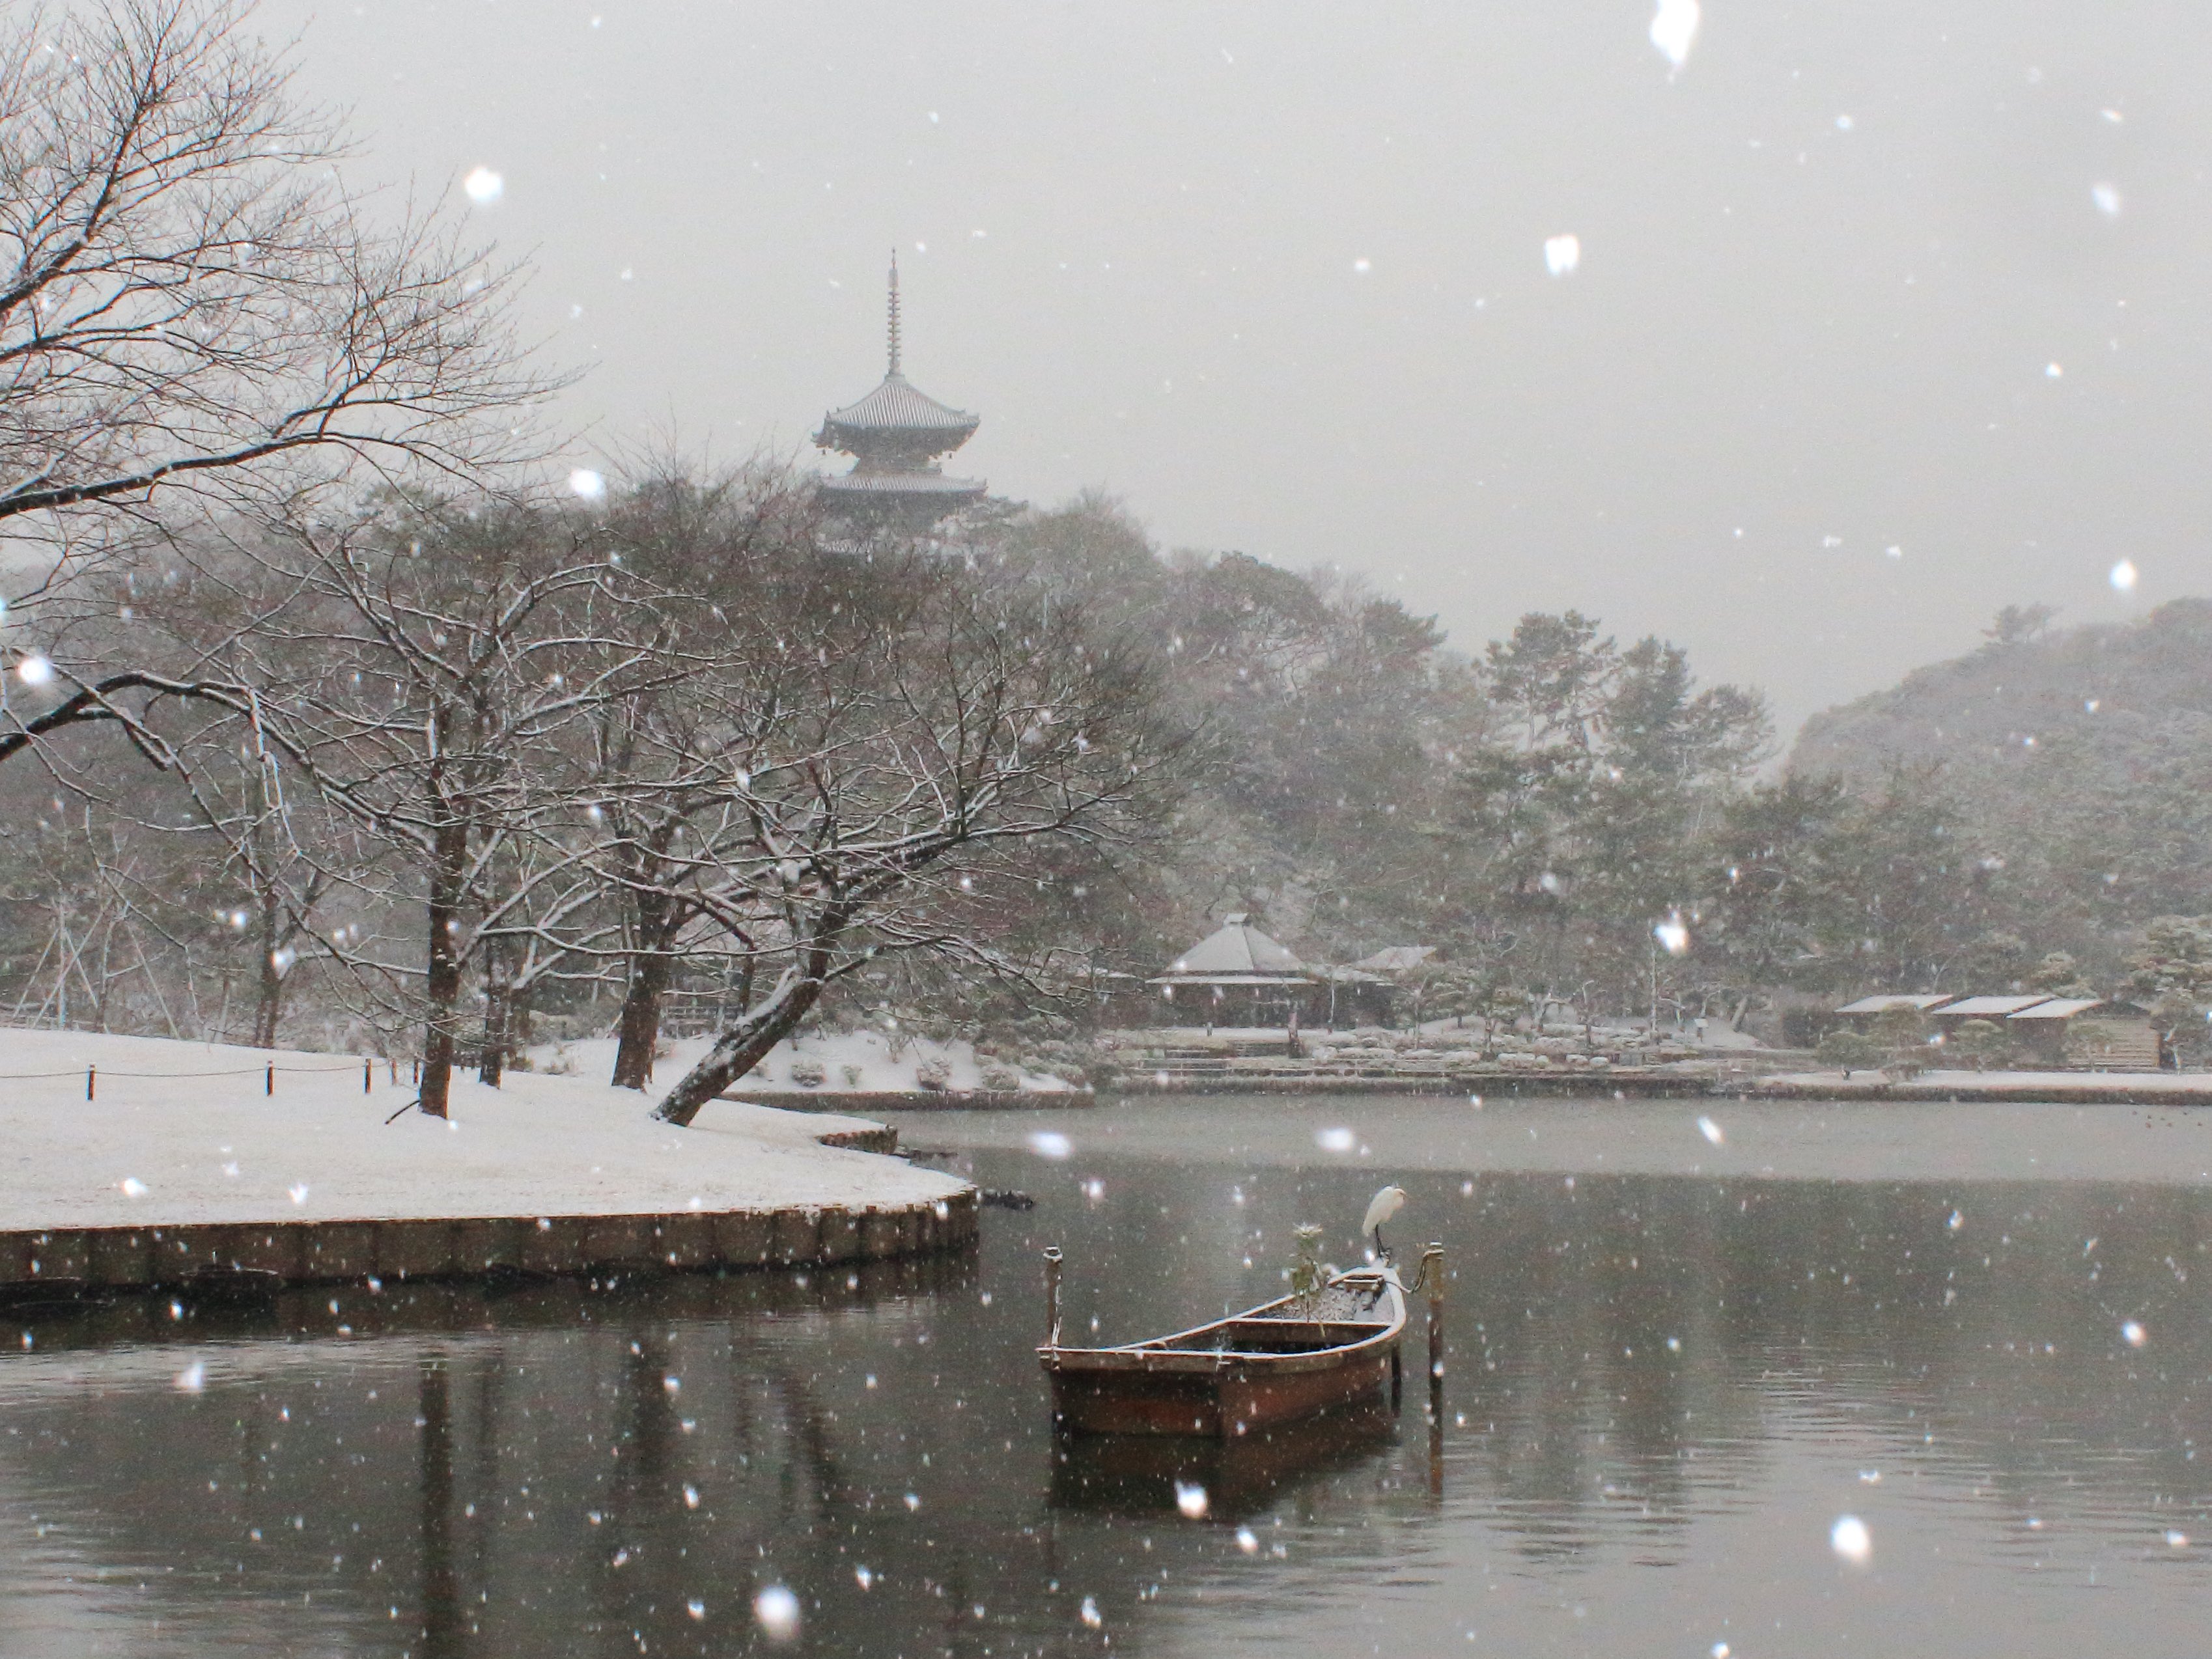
218	1257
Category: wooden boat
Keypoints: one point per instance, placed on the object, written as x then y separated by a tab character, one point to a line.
1274	1364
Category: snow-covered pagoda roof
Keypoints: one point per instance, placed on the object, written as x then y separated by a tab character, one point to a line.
897	427
1237	952
899	406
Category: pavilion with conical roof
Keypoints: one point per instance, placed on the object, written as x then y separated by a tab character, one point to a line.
897	436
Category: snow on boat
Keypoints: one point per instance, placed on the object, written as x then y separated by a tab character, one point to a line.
1274	1364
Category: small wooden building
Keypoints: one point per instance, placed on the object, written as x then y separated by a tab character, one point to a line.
1237	975
1866	1011
2086	1033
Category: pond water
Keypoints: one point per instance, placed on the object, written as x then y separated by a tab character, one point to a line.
1893	1396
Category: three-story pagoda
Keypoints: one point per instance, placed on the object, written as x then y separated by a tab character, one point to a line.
897	436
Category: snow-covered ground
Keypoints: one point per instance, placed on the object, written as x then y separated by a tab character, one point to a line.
849	1062
180	1133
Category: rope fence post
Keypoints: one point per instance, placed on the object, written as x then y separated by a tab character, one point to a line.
90	1073
269	1080
366	1072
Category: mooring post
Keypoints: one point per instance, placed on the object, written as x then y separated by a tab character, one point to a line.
1432	1274
366	1073
269	1081
1052	1296
91	1075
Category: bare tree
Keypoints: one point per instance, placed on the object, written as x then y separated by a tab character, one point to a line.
192	304
425	664
898	738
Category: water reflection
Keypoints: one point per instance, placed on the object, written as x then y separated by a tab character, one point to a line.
1662	1393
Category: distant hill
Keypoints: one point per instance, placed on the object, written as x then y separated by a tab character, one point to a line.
1991	710
2075	768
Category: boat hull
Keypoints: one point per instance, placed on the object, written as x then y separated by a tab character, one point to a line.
1226	1405
1283	1361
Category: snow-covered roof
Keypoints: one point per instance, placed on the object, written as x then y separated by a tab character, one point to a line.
2059	1008
899	406
1886	1002
1991	1007
1236	949
1396	958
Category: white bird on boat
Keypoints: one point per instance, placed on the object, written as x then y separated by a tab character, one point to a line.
1384	1205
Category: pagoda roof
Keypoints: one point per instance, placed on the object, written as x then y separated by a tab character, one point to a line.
899	406
902	483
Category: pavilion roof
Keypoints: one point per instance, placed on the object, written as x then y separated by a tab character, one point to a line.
1237	948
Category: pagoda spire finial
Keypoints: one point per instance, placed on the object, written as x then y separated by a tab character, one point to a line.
894	314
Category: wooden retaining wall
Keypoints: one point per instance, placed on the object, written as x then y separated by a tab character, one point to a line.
1499	1085
313	1252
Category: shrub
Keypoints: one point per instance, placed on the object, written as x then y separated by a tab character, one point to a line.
808	1073
1847	1051
934	1074
853	1074
1001	1080
1980	1043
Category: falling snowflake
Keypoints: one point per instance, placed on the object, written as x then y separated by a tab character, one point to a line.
1562	253
1673	936
1047	1143
587	485
2132	1334
484	186
1674	30
34	670
1334	1140
1191	1501
132	1187
2122	577
2107	198
1090	1613
1710	1130
191	1379
777	1609
1850	1539
1246	1541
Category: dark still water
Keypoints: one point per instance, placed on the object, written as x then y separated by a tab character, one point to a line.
1666	1390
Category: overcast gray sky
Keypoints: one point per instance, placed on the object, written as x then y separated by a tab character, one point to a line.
1927	276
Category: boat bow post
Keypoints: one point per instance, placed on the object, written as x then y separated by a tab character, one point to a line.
1052	1296
1431	1276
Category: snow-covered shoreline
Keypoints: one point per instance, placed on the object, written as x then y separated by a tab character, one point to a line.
181	1133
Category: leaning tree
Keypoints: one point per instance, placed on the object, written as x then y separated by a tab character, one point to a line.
884	741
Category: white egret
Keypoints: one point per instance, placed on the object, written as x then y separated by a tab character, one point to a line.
1384	1205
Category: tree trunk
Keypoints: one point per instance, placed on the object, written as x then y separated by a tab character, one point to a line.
441	989
269	997
638	1028
651	967
499	992
745	1044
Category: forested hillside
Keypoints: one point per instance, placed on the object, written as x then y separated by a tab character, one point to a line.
2076	763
